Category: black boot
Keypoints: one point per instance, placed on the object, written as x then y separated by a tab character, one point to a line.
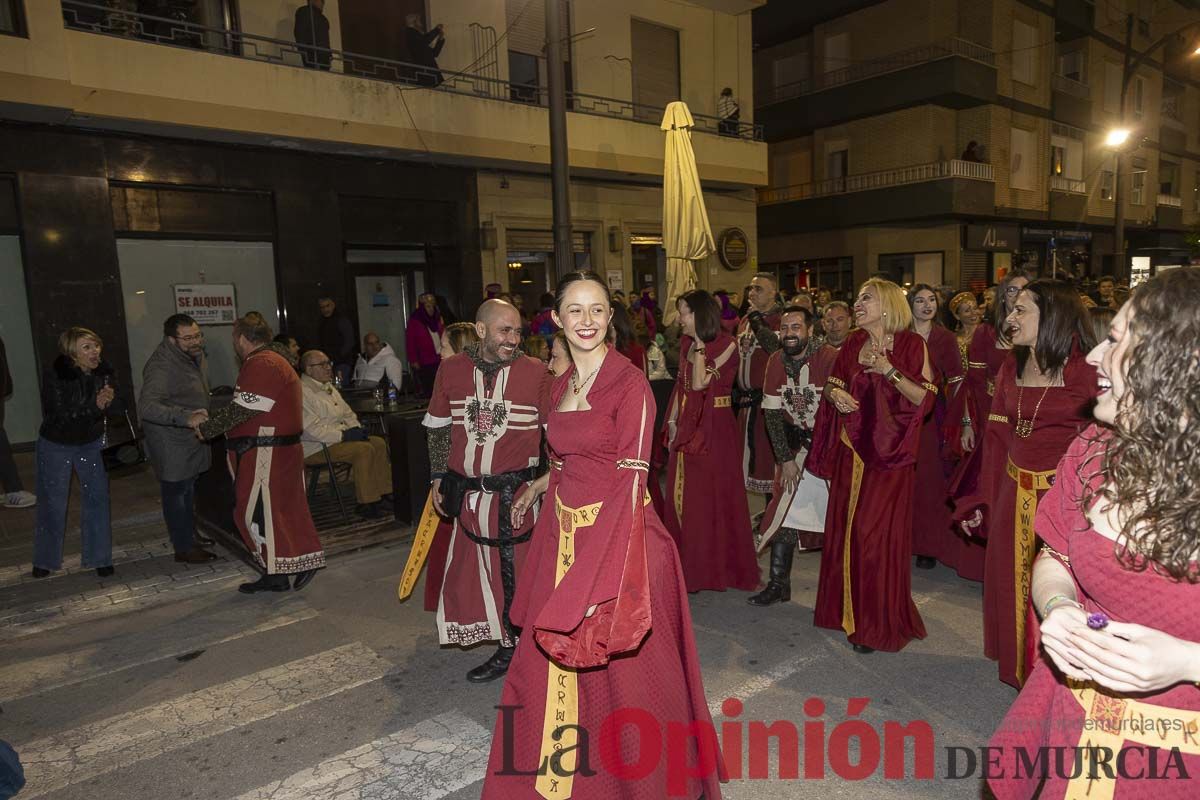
926	562
267	583
779	587
494	667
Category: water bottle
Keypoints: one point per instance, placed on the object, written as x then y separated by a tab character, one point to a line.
378	395
337	380
392	394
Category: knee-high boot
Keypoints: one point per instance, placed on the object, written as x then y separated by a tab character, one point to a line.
779	587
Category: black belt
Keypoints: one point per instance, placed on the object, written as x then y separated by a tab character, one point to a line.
244	444
454	490
797	438
746	398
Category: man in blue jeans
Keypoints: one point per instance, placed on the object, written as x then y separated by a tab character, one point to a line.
174	397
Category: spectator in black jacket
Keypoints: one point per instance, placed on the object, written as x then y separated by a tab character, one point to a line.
335	337
312	29
78	392
14	494
423	50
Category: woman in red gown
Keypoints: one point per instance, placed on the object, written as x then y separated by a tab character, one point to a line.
1117	582
706	509
1042	401
601	600
934	535
881	391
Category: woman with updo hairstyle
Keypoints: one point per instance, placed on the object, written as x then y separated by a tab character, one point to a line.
456	337
866	438
560	355
706	508
1044	392
601	600
1117	579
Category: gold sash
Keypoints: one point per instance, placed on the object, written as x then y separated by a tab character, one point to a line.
724	401
422	539
1028	486
855	486
556	774
1112	721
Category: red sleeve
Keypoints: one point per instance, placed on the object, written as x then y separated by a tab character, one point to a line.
1059	511
773	379
617	582
257	385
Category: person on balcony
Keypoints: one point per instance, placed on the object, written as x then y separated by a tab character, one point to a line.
312	28
423	50
729	112
972	153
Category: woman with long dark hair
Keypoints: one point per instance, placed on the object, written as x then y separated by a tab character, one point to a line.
1117	581
1043	400
934	537
604	615
706	508
879	392
623	338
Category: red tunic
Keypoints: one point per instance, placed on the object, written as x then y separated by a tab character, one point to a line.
983	361
934	532
1050	713
271	509
1009	628
635	651
865	582
706	510
636	355
822	364
758	465
492	431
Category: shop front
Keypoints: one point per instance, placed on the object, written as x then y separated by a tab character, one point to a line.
987	256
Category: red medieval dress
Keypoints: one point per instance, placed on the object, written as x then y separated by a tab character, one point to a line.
707	511
494	429
934	532
983	361
758	462
1018	471
1054	714
271	510
869	456
605	619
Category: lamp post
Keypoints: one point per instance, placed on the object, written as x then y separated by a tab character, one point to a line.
564	259
1118	139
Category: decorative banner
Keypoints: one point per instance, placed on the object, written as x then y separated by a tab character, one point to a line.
207	303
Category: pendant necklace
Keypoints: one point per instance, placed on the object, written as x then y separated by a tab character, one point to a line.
1025	426
576	386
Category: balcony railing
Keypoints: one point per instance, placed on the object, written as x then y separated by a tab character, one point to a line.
924	54
919	173
1061	83
1170	201
96	18
1058	183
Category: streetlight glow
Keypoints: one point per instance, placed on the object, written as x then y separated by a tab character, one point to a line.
1117	137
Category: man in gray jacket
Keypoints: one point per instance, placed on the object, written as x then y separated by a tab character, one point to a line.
174	399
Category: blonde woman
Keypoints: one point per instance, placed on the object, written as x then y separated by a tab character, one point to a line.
78	391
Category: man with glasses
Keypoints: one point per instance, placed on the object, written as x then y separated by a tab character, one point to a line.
173	400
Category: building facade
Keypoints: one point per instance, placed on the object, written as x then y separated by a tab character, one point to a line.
148	146
947	141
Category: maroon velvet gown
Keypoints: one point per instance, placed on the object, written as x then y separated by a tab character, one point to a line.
870	458
934	532
983	364
1051	712
618	620
706	508
1009	627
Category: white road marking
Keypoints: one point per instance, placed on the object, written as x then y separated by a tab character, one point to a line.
425	762
108	745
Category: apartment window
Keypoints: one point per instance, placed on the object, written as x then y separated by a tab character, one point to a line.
1137	192
1112	87
1139	95
1073	65
655	69
789	70
1106	185
11	19
1023	159
1168	178
1066	157
837	52
523	77
1025	51
837	161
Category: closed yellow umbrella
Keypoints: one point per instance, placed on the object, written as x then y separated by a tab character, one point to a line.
686	234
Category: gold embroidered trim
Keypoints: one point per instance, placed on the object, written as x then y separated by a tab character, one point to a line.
929	386
556	464
1050	551
998	418
837	382
633	463
953	381
723	402
976	365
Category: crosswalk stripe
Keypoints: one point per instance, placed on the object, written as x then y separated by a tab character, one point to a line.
39	675
424	762
101	747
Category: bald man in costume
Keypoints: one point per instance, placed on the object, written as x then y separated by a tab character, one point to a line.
484	425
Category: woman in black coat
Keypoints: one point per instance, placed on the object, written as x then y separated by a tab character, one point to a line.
77	393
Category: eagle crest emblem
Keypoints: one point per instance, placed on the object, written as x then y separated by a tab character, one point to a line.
485	419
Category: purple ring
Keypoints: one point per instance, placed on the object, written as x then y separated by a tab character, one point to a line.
1097	620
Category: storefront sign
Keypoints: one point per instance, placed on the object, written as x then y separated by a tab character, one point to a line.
733	249
616	280
1059	235
207	303
994	238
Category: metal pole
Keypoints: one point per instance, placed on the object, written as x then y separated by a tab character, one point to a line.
564	259
1119	265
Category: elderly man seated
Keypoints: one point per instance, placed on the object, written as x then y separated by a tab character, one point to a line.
329	421
377	360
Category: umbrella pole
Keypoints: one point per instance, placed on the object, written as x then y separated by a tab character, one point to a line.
564	260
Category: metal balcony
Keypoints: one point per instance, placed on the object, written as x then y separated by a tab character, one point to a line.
918	173
1059	183
1061	83
1169	201
100	19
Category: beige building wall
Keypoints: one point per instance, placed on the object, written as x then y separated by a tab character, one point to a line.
866	244
597	207
276	19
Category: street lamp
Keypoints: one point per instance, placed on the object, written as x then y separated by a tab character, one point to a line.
1116	138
